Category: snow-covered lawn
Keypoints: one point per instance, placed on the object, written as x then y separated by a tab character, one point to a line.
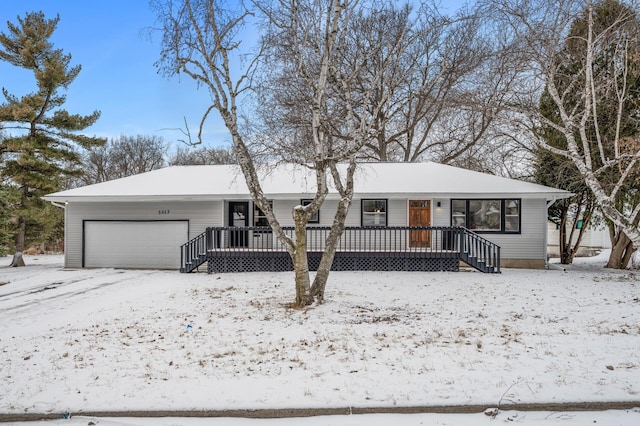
114	340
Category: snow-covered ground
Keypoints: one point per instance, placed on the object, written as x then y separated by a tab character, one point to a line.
114	340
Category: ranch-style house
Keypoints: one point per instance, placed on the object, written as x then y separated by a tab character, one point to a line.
406	216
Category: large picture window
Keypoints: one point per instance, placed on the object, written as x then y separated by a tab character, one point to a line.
374	212
487	215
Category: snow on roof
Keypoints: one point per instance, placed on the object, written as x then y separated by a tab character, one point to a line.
286	180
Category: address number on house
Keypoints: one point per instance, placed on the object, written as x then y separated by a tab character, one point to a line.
164	211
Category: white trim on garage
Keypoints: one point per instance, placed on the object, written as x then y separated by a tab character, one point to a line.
134	244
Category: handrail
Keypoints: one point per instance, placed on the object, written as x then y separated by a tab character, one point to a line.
193	253
354	238
479	252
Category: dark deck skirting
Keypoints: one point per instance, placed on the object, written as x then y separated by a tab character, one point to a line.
278	261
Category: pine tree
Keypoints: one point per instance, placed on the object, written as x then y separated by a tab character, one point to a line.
42	148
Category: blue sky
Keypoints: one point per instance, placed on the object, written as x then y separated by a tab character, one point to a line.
118	78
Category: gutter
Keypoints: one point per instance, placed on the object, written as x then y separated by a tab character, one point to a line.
57	204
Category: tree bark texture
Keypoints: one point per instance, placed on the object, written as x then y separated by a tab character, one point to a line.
621	252
18	260
337	228
324	268
301	261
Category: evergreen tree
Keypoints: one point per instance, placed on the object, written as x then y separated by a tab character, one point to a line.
41	150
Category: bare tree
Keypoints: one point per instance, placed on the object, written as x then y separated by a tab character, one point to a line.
309	38
125	156
203	155
584	55
448	87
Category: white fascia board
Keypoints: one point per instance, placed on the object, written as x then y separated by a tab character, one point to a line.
465	195
140	198
330	196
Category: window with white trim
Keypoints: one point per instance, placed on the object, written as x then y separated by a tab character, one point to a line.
374	212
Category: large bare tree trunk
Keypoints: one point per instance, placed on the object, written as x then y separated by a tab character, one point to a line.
322	275
301	261
18	260
346	196
621	251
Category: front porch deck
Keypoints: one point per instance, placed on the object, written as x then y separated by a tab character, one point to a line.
253	249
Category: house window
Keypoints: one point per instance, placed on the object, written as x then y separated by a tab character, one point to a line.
259	218
315	218
458	213
485	215
374	212
512	215
501	216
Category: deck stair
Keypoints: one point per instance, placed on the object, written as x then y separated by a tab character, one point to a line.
479	252
193	253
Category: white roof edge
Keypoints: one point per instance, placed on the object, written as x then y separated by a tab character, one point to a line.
167	198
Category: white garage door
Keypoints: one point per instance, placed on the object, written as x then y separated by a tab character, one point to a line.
153	245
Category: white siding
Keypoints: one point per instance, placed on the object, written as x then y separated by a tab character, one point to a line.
199	214
283	211
441	216
530	243
397	212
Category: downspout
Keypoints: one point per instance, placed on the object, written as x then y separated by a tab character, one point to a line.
546	231
63	207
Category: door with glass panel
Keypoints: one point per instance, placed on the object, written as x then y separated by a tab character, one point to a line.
419	215
238	217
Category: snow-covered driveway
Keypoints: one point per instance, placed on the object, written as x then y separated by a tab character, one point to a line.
47	287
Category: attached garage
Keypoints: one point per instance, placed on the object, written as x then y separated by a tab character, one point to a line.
134	244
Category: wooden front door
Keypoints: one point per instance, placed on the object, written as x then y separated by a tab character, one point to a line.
419	215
